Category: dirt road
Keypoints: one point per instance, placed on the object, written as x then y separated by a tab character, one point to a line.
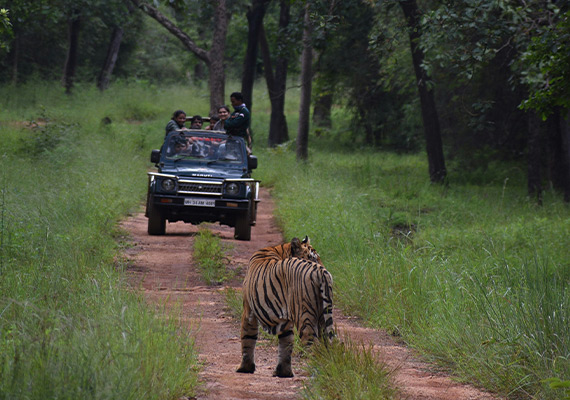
163	268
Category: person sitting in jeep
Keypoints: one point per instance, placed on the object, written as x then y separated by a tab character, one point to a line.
196	122
177	122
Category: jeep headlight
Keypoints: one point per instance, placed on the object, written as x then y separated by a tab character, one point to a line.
232	188
168	185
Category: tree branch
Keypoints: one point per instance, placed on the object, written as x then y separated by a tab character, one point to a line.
172	28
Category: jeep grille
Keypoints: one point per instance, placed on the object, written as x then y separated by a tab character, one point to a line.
189	187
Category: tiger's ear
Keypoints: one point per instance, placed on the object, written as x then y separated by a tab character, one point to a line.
306	240
295	246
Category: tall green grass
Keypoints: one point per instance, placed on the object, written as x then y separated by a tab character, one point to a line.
68	327
475	277
345	370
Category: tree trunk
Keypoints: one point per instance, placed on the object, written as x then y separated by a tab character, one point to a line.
74	25
214	58
322	107
276	83
255	16
15	58
216	70
534	157
306	85
111	59
565	142
279	124
434	147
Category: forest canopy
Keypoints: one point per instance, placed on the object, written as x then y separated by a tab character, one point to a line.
470	83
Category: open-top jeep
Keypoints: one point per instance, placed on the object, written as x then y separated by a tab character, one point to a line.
203	176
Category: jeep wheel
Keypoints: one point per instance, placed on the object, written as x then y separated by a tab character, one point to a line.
243	228
156	223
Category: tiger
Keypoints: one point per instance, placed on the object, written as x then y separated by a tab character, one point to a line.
285	286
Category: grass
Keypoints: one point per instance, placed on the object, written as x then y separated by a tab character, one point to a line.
68	327
234	302
210	255
479	282
345	370
473	275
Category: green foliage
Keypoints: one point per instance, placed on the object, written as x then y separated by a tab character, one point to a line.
210	256
558	384
234	302
5	28
473	275
345	370
68	326
548	81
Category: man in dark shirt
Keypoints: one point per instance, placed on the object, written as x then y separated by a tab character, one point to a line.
238	123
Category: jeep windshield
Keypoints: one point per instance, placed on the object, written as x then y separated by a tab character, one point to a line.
204	147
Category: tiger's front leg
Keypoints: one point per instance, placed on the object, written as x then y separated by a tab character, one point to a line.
286	338
249	332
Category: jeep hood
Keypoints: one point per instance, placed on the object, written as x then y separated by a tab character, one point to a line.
206	171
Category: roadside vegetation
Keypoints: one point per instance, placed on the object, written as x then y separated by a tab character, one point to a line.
69	326
346	370
472	274
210	257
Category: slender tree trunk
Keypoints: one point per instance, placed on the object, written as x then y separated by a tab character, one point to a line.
323	106
306	85
534	157
278	131
216	69
255	16
565	142
74	25
434	147
279	123
111	59
15	58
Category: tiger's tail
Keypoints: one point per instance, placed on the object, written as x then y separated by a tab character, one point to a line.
327	297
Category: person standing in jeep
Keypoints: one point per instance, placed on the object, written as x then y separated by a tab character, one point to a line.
238	123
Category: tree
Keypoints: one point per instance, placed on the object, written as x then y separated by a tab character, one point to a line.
306	85
111	59
73	29
214	57
114	46
255	16
277	80
509	58
437	171
32	17
5	28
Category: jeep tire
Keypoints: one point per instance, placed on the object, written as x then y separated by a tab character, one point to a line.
243	227
156	223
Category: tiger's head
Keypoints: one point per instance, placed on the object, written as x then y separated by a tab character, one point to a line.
304	250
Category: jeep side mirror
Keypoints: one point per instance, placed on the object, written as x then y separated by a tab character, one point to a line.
251	162
155	156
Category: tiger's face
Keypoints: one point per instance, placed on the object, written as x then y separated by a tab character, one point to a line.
304	250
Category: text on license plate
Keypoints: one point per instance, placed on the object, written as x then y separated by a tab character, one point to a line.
191	201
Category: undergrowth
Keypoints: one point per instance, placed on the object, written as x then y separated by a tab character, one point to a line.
344	370
210	255
476	277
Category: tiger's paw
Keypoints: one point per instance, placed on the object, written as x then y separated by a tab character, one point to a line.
283	371
246	368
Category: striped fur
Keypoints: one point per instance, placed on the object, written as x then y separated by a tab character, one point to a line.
286	286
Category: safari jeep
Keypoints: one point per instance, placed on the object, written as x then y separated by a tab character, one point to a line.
203	176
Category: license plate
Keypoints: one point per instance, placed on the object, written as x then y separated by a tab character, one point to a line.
191	201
